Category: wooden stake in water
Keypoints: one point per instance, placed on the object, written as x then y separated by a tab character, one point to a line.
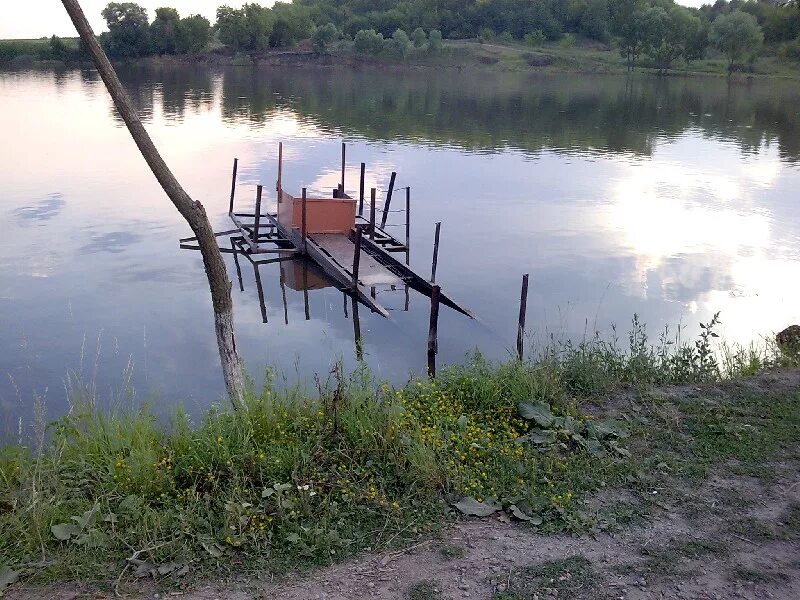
279	184
523	307
433	331
388	200
233	184
435	252
361	190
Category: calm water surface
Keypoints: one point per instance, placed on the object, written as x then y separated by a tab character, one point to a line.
672	198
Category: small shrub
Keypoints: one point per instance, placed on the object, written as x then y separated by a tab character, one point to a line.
486	34
435	41
535	39
368	41
323	36
419	38
567	41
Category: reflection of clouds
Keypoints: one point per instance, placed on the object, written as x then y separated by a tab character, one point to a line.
43	210
114	242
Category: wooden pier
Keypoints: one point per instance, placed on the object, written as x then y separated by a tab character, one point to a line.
356	253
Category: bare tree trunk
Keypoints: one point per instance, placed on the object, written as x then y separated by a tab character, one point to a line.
192	211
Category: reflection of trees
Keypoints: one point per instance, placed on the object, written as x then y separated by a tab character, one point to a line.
484	112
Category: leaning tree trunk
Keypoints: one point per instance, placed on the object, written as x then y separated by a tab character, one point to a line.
192	211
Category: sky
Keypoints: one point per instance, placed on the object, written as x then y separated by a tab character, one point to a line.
38	18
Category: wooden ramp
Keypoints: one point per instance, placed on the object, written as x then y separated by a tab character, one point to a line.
370	272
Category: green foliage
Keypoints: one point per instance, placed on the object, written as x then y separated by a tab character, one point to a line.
368	41
535	39
418	37
567	41
164	31
194	33
128	30
486	34
790	50
435	41
323	36
736	35
292	23
401	44
667	34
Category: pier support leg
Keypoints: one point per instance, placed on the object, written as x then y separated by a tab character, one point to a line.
372	214
433	332
435	252
388	200
257	222
523	307
233	184
361	190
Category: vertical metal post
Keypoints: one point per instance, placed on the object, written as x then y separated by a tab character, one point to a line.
303	222
433	331
356	258
257	222
388	200
523	307
279	185
357	331
372	214
361	190
408	225
233	184
435	252
344	153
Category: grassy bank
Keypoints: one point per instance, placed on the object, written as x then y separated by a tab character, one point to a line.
299	480
584	56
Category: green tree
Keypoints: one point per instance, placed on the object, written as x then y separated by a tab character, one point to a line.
291	23
368	41
323	36
535	39
164	31
666	34
736	35
401	43
232	27
418	37
193	35
435	41
627	25
259	22
128	30
595	20
59	50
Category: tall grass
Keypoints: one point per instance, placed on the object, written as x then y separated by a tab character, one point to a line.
300	478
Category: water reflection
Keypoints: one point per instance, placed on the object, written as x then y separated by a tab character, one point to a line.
673	198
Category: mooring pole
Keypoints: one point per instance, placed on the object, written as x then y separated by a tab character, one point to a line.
433	332
257	223
435	251
233	184
305	292
372	214
523	307
356	258
388	200
408	225
361	190
260	289
303	224
344	154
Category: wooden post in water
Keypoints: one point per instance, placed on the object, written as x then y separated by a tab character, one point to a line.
344	154
433	332
260	289
238	266
233	184
388	200
523	307
361	190
257	222
357	331
356	258
435	252
372	214
303	217
408	225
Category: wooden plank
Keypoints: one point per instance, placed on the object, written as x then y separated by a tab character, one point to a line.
331	267
340	248
416	281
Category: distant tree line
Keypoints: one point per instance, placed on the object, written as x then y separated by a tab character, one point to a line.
653	32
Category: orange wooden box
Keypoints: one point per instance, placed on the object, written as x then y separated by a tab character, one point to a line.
323	215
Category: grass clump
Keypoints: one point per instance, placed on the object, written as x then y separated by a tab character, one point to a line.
425	589
569	578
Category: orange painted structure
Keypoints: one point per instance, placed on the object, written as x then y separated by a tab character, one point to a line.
323	215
